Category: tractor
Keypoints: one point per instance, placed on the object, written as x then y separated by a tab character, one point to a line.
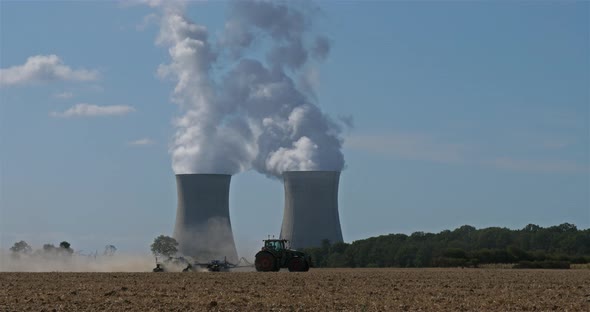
274	256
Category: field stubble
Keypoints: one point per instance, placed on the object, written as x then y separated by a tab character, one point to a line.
317	290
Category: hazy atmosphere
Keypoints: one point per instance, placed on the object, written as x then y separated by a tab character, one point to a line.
438	114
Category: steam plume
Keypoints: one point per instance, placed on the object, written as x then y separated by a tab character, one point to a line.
239	111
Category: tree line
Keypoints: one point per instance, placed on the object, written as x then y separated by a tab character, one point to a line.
22	248
532	246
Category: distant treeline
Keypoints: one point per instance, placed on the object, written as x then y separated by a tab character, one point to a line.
532	246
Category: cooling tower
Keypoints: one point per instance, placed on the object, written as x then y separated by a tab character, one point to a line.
311	208
203	227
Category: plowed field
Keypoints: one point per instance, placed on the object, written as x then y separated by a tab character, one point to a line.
317	290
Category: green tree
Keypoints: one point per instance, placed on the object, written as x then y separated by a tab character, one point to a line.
405	256
423	256
48	248
418	236
339	247
337	260
532	228
21	247
109	250
519	254
455	253
464	246
65	248
164	246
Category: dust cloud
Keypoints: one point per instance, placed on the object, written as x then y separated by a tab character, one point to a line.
38	262
210	240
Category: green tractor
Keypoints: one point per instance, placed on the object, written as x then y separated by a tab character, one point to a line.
274	256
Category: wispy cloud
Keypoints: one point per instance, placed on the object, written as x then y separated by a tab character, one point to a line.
64	95
91	110
423	147
142	142
43	68
529	165
556	143
409	146
150	3
148	20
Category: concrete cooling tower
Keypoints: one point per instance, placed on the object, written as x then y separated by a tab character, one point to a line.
203	228
311	208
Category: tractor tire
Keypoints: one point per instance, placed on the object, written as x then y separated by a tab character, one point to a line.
298	265
265	262
306	267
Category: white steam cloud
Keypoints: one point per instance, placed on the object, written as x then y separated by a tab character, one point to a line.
238	111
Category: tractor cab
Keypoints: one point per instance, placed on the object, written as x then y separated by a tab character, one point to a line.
274	244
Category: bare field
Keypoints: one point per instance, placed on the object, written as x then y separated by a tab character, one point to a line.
317	290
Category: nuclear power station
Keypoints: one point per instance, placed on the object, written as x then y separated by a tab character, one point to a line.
311	208
203	228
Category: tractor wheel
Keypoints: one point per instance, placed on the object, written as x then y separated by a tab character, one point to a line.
298	265
305	266
265	262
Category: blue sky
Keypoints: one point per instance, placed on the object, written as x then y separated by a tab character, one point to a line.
464	113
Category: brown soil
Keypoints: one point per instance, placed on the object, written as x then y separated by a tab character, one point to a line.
317	290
